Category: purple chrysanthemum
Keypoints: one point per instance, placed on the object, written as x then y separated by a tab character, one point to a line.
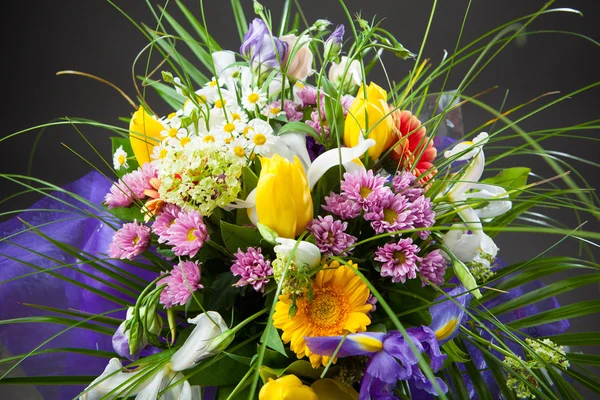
119	196
341	206
433	268
182	281
187	234
252	268
164	220
330	235
404	183
422	210
131	240
372	300
390	213
399	260
308	96
291	111
318	123
364	187
347	101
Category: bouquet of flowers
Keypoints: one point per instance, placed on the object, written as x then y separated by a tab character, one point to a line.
293	230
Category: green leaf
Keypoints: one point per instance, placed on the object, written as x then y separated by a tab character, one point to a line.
454	353
588	359
167	93
300	127
131	160
226	371
240	18
466	278
48	380
62	321
587	381
481	387
223	393
199	28
127	213
458	384
238	237
267	233
577	339
223	292
558	314
273	341
510	179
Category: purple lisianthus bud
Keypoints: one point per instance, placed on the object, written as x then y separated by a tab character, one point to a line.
261	48
333	44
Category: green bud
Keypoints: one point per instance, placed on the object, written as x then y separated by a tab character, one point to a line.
167	77
258	8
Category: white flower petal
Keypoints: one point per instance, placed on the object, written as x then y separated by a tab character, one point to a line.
113	377
333	157
222	60
306	253
198	344
296	142
499	204
150	392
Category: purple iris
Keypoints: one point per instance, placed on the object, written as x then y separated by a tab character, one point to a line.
261	47
449	313
391	358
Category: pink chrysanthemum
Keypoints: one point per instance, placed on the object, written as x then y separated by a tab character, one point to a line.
422	210
291	111
330	235
390	213
182	281
308	96
119	196
364	187
318	124
347	101
404	183
187	234
433	268
164	220
341	206
131	240
252	268
399	260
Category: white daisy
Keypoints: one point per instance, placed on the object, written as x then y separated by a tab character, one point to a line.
254	99
273	110
159	152
261	136
239	146
232	128
120	159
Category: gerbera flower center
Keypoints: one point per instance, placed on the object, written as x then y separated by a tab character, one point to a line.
389	215
327	311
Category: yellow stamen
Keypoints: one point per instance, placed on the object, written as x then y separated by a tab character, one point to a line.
253	98
220	103
185	140
229	127
236	116
239	151
191	235
121	160
259	139
275	110
247	130
172	132
209	138
172	115
163	153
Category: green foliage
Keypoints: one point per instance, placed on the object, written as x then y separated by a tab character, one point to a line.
512	179
238	237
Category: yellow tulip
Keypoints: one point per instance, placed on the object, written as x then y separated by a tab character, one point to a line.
288	387
370	114
144	134
331	389
283	200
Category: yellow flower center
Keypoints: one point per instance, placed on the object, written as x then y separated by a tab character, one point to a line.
247	130
121	160
236	116
253	97
275	110
163	153
191	236
172	115
212	83
259	139
172	132
300	85
201	99
239	151
364	192
220	103
400	256
209	138
228	140
389	215
327	312
135	240
184	141
446	330
229	127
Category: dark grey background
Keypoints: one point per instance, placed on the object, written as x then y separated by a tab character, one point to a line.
43	37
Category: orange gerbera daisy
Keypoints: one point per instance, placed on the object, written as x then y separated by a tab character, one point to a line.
415	151
339	306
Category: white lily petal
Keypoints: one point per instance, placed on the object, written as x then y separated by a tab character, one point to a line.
199	344
296	142
251	202
334	157
500	200
182	391
222	60
113	377
355	166
475	145
277	146
306	253
463	245
150	392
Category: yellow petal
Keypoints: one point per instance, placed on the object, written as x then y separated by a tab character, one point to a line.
144	134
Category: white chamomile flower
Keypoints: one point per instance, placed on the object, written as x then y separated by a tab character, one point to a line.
200	102
237	114
254	99
181	140
214	136
260	136
120	159
239	146
159	152
273	110
232	128
213	83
